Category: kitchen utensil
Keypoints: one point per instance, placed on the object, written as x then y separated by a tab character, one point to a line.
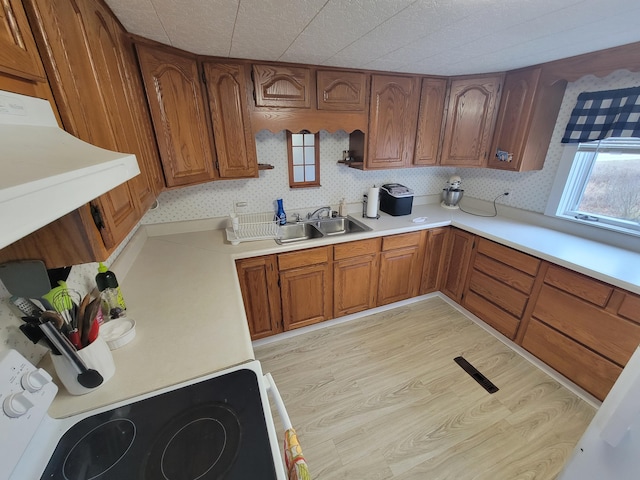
88	319
26	278
31	330
26	306
87	377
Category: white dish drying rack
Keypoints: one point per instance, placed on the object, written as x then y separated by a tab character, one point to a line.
247	227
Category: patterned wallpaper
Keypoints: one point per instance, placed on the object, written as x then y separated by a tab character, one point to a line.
529	190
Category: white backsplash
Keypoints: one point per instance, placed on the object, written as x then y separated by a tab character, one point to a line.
529	191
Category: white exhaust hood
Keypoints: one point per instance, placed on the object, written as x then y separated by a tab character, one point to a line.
45	172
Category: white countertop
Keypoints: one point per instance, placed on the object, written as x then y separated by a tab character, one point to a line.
183	292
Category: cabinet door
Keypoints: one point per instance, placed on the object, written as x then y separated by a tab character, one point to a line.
398	272
470	120
179	114
393	116
282	86
355	284
234	142
80	58
109	53
432	97
400	267
342	91
434	260
261	295
459	247
529	107
18	53
307	295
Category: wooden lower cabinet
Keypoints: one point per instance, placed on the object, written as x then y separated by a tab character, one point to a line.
434	259
400	267
355	276
261	295
499	285
584	328
459	247
306	287
579	364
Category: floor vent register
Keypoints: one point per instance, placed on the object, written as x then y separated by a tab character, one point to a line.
476	375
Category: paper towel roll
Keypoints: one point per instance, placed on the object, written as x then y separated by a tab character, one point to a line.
372	202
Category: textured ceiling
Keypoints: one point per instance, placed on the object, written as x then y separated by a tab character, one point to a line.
446	37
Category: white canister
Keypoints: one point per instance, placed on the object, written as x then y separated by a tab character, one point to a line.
97	356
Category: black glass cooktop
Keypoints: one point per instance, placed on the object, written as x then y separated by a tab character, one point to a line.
210	430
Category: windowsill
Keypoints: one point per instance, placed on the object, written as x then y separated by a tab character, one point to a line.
597	225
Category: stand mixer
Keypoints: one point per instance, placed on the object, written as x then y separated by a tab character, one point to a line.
452	193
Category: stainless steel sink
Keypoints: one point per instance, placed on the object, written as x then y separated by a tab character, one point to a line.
296	232
340	226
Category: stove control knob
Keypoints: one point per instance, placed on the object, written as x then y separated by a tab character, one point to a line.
35	380
16	404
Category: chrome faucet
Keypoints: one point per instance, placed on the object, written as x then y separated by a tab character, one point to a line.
318	213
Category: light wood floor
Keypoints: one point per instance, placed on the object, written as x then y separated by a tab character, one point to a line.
381	398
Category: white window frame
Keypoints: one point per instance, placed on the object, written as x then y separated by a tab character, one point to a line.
573	173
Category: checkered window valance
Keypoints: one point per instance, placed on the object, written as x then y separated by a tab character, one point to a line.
610	113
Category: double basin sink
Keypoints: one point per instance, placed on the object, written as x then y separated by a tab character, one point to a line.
296	232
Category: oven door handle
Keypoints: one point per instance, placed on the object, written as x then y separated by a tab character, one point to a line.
277	399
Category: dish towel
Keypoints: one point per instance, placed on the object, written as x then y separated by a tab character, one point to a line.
296	465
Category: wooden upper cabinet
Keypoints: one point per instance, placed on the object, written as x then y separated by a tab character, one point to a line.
282	86
235	146
393	116
470	119
18	52
115	80
529	107
342	91
179	114
89	85
432	98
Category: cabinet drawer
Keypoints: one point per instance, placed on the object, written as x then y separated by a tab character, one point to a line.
601	331
502	321
401	241
509	256
630	307
311	256
582	366
579	285
504	273
355	249
502	295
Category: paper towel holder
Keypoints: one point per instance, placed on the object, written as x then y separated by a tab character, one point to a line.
364	208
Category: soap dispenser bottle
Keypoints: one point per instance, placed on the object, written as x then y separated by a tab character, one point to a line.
280	215
113	305
342	208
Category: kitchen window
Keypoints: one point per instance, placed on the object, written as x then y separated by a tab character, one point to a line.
598	183
304	159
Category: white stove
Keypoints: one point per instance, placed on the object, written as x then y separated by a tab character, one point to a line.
216	426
